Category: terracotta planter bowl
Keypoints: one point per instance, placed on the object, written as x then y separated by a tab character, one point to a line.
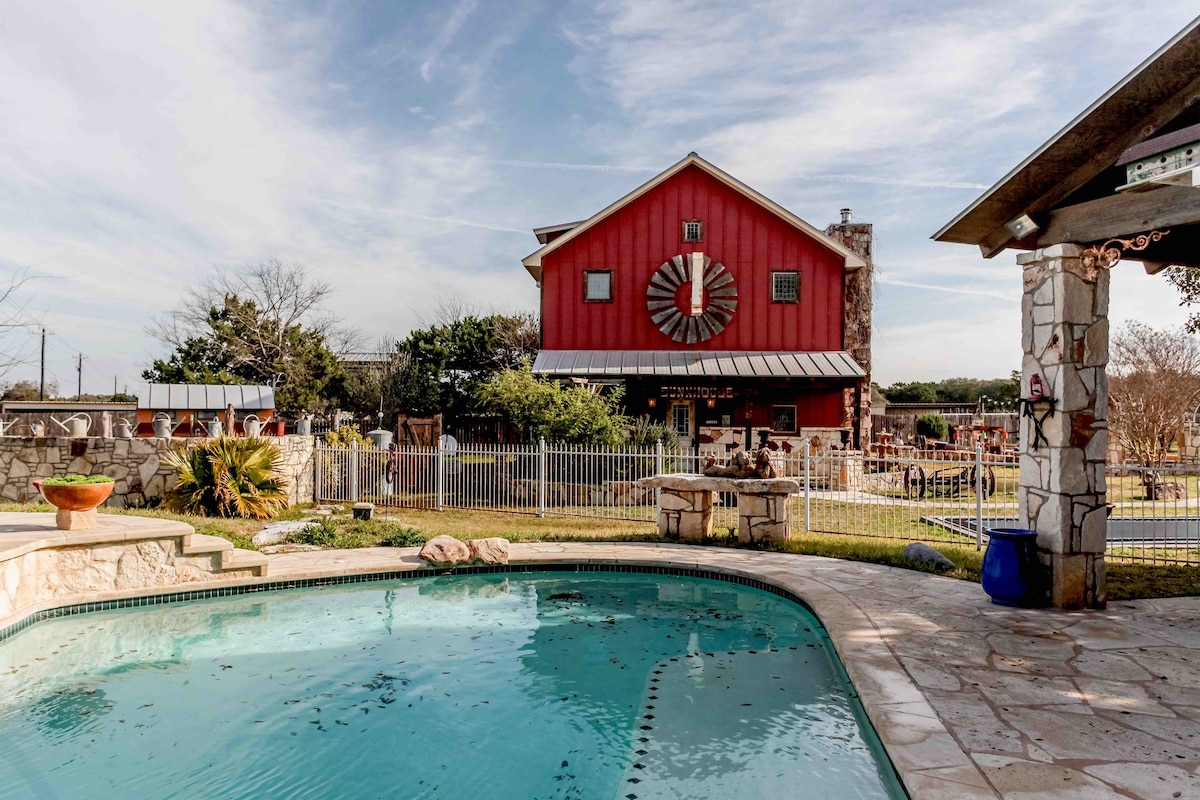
81	497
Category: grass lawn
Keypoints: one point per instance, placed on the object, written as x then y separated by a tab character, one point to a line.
404	527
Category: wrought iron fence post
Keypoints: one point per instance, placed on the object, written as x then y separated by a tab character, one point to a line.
353	472
317	487
541	476
440	472
807	485
979	481
658	470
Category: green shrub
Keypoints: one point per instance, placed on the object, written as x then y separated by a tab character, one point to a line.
76	480
353	533
933	426
347	435
229	477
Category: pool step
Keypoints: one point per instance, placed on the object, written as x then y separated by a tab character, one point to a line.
199	544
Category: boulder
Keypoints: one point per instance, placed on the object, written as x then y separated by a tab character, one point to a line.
493	550
922	553
445	551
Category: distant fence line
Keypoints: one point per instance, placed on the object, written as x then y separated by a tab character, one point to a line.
943	496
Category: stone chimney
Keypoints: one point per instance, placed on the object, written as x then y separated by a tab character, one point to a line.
856	321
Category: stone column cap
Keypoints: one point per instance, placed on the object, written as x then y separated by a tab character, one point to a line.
685	482
1064	250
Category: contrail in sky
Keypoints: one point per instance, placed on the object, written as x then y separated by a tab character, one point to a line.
398	212
950	289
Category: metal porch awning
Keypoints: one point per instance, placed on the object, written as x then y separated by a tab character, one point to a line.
836	364
204	397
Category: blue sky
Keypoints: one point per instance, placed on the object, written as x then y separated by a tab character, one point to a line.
403	150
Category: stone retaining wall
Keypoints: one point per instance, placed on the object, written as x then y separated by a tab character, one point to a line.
142	477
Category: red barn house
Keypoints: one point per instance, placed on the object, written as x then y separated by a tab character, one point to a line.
719	310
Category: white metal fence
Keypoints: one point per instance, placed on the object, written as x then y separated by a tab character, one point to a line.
938	496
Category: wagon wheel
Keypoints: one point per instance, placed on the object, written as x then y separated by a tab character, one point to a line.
914	481
989	481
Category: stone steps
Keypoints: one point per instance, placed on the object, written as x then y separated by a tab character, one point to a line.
199	544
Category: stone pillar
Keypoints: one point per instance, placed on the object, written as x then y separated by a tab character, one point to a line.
764	516
687	515
1064	335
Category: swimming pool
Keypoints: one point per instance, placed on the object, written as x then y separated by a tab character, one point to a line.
546	685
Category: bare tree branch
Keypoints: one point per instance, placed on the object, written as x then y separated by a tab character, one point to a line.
1154	383
15	319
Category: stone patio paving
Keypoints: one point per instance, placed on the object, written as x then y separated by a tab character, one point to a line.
971	699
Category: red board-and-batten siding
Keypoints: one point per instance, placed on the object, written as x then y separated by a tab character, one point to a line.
748	239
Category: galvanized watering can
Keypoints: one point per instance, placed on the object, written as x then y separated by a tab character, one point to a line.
215	428
304	426
162	425
122	429
77	425
252	425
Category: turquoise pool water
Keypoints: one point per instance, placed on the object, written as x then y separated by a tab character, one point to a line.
546	685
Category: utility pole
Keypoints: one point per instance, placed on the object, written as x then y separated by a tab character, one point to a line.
42	382
114	387
79	384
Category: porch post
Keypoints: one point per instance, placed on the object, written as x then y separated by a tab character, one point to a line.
1064	335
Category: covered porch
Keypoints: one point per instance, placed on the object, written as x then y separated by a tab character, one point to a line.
1120	183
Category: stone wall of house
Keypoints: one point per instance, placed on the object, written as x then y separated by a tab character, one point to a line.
856	319
137	465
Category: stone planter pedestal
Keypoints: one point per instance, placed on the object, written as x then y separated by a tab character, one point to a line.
685	505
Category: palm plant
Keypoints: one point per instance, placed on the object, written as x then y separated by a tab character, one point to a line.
229	477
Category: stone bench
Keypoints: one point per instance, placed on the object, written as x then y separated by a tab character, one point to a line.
686	501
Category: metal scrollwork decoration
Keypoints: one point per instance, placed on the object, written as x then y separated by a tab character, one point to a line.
705	322
1108	254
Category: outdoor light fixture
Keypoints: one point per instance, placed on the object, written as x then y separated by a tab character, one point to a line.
652	402
1022	226
712	403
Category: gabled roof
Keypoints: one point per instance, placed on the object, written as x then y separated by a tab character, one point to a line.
1141	103
533	261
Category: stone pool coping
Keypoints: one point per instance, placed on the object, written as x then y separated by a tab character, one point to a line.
969	699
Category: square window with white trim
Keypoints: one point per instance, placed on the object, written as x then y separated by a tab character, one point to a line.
693	230
597	286
783	419
785	287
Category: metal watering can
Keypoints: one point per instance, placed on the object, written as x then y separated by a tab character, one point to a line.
252	425
304	426
122	429
77	425
162	425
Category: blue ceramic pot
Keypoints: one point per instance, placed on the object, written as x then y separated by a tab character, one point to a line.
1011	573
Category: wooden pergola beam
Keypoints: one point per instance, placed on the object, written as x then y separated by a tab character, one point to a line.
1121	215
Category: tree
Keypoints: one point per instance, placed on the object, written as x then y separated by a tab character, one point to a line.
1154	380
264	324
911	393
543	408
27	390
444	367
1187	281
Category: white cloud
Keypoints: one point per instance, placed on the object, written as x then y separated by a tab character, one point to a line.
458	15
145	142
